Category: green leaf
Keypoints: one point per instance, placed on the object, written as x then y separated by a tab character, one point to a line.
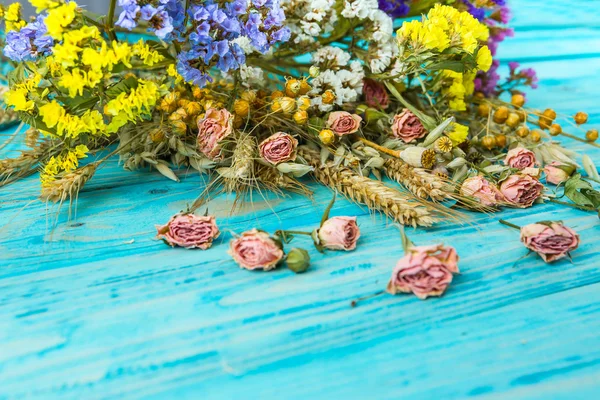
576	189
456	66
124	86
593	196
78	105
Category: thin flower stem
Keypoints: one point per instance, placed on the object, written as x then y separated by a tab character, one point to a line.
385	150
110	20
564	203
503	222
298	233
354	303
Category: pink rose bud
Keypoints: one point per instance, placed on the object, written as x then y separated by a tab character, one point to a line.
407	126
481	189
212	129
343	123
521	190
278	148
425	271
255	249
557	172
189	231
339	233
375	94
551	240
520	158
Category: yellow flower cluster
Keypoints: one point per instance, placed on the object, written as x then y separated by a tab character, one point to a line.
128	107
444	27
65	162
460	85
41	5
148	56
69	125
459	133
59	18
12	17
18	95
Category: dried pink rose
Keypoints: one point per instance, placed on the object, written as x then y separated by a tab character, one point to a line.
212	129
189	231
425	271
521	190
557	172
255	249
278	148
551	240
481	189
407	126
375	94
520	158
343	123
339	233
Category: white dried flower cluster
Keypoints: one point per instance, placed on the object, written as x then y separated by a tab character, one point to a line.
340	75
252	76
309	19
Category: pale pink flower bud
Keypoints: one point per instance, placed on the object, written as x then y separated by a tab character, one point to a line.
407	127
212	129
343	123
339	233
255	249
551	240
520	158
278	148
189	231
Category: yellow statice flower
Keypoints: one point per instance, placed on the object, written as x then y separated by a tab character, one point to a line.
74	81
12	17
146	54
455	91
67	125
77	36
63	163
459	133
107	57
67	54
59	18
41	5
428	35
18	95
172	72
484	59
128	107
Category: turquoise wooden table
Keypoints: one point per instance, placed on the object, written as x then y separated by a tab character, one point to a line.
96	308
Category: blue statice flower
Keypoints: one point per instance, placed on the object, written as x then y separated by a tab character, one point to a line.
394	8
29	42
216	31
163	16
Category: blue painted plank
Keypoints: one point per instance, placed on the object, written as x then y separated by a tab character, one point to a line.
84	312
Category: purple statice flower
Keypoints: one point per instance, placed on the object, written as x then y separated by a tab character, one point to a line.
29	42
163	16
394	8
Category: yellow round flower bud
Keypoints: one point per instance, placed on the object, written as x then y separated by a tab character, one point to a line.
276	106
304	87
517	100
328	97
157	135
193	108
241	108
484	110
523	131
276	94
501	115
536	135
292	87
489	142
237	121
581	118
179	127
314	71
501	141
197	93
249	96
326	136
550	114
513	120
178	115
591	135
555	130
288	105
301	117
303	103
183	102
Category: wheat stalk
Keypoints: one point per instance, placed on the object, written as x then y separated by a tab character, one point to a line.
276	182
421	183
68	185
374	194
237	177
12	169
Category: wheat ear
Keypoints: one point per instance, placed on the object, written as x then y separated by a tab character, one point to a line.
421	183
68	185
374	194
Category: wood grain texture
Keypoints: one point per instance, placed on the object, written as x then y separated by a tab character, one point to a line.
95	308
